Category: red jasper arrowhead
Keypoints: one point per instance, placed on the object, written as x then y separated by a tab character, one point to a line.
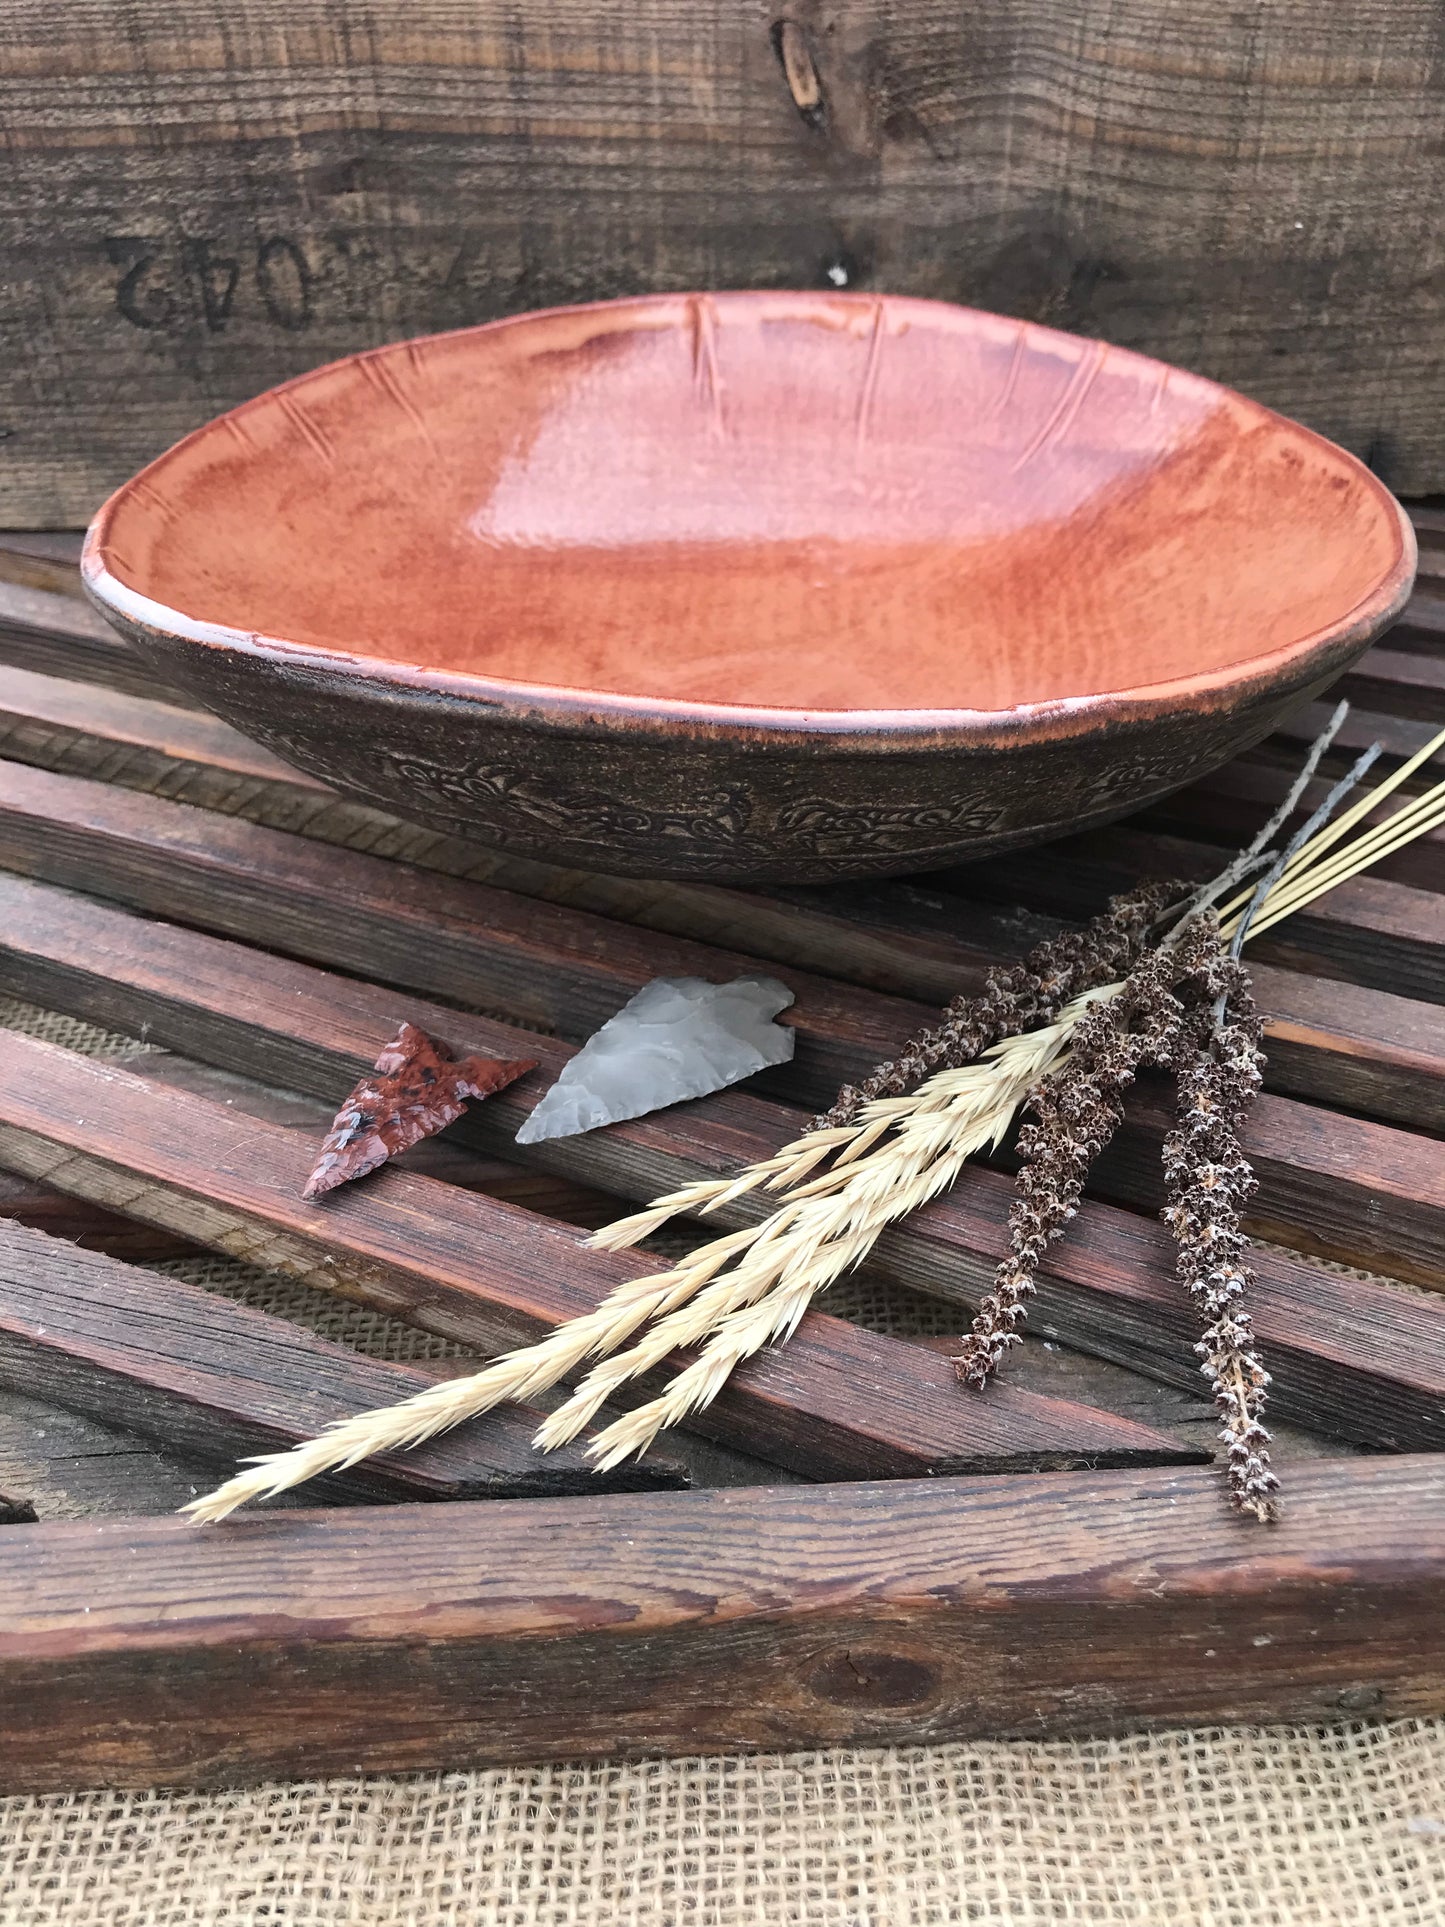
416	1089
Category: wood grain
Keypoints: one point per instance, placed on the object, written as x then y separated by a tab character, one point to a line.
42	561
238	193
1389	936
43	1208
56	635
1227	808
1107	1289
191	1369
408	1638
1407	684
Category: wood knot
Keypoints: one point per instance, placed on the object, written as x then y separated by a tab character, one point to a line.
853	1678
1360	1699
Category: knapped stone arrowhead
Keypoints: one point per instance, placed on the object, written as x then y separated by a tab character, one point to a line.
679	1037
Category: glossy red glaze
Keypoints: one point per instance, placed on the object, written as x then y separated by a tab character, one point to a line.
780	512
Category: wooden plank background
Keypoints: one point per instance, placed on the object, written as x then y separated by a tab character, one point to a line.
198	200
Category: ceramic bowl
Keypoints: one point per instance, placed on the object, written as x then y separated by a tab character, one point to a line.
752	586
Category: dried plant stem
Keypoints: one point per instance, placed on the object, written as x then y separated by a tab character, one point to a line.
1301	888
686	1302
1252	856
518	1375
1072	1115
1209	1181
1326	838
1272	876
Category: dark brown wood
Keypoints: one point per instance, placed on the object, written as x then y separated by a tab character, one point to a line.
43	1208
55	635
1108	1288
58	725
69	1466
190	1368
138	742
544	965
1339	1186
16	1512
55	724
337	190
1227	808
400	1640
1407	684
157	1694
1398	736
1422	626
837	1401
1386	935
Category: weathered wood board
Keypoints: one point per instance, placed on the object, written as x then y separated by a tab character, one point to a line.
136	1651
214	198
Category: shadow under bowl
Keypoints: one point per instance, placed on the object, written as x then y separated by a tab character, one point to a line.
753	586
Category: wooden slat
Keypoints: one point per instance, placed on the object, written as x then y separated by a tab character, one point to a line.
1398	736
191	1369
143	743
42	561
1399	683
543	964
57	635
1331	1184
1227	808
1422	626
1384	935
535	962
1353	1359
838	1402
406	1638
1375	1052
124	739
69	1466
43	1208
333	190
191	757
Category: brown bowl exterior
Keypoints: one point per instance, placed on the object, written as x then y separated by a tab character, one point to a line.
727	804
753	587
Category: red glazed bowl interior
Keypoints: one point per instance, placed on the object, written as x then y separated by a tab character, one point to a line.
745	503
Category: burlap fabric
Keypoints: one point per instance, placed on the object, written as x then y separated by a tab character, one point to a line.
1220	1829
1269	1828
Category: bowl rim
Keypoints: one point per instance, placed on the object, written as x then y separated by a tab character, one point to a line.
554	703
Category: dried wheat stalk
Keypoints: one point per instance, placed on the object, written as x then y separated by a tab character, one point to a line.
974	1108
830	1225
